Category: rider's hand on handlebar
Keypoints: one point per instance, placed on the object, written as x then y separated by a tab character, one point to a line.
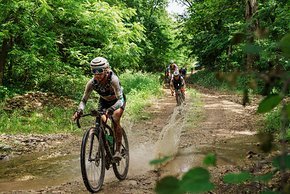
109	112
77	114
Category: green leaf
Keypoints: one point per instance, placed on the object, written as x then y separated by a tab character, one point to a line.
269	103
237	178
264	177
197	187
196	174
167	185
196	180
210	160
159	161
279	160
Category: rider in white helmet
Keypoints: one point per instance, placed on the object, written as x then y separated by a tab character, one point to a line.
112	99
177	82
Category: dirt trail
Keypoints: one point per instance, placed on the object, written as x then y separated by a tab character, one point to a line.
206	123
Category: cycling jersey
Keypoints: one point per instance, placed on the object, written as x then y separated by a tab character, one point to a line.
111	92
179	83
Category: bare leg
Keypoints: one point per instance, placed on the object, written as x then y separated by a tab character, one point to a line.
117	127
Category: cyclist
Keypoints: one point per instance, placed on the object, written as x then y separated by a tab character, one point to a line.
112	99
177	82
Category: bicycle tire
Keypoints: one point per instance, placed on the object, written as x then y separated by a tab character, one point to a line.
124	162
90	140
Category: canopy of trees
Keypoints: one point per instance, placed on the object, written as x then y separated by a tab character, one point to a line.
43	39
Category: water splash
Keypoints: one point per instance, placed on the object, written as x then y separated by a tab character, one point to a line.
167	144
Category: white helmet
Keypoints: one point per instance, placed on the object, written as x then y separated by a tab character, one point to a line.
175	73
99	63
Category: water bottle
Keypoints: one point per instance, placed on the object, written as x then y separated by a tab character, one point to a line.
109	138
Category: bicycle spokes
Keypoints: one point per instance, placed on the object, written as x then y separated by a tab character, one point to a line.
92	161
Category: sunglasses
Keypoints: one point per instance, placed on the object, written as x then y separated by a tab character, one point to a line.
97	71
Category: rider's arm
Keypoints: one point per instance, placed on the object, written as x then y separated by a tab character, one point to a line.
183	82
86	95
118	93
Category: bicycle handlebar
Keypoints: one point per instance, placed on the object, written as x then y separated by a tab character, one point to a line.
93	113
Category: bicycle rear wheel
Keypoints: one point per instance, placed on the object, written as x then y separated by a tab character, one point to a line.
92	160
121	167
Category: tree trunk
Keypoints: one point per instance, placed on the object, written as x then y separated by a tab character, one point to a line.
3	58
251	8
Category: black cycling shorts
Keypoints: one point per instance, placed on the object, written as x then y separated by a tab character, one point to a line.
104	104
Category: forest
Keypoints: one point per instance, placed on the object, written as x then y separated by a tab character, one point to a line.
241	46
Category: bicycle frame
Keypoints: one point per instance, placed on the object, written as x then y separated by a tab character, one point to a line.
101	126
102	158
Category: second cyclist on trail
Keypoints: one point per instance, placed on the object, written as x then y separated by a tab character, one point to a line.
177	82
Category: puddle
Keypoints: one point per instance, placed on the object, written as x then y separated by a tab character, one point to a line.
232	151
37	171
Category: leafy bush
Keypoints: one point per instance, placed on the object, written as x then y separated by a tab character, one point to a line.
48	120
7	92
273	123
140	82
139	89
65	85
227	81
207	79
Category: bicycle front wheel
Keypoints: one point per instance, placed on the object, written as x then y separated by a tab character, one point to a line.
121	167
92	160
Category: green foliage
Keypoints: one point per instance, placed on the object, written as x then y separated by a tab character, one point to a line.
161	160
48	120
282	162
269	103
158	46
219	35
273	121
140	82
167	185
139	89
210	159
70	85
196	180
207	79
5	92
74	32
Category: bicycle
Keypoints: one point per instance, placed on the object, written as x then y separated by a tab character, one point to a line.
180	98
97	150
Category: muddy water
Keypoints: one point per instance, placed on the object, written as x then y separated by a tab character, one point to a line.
37	171
234	152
